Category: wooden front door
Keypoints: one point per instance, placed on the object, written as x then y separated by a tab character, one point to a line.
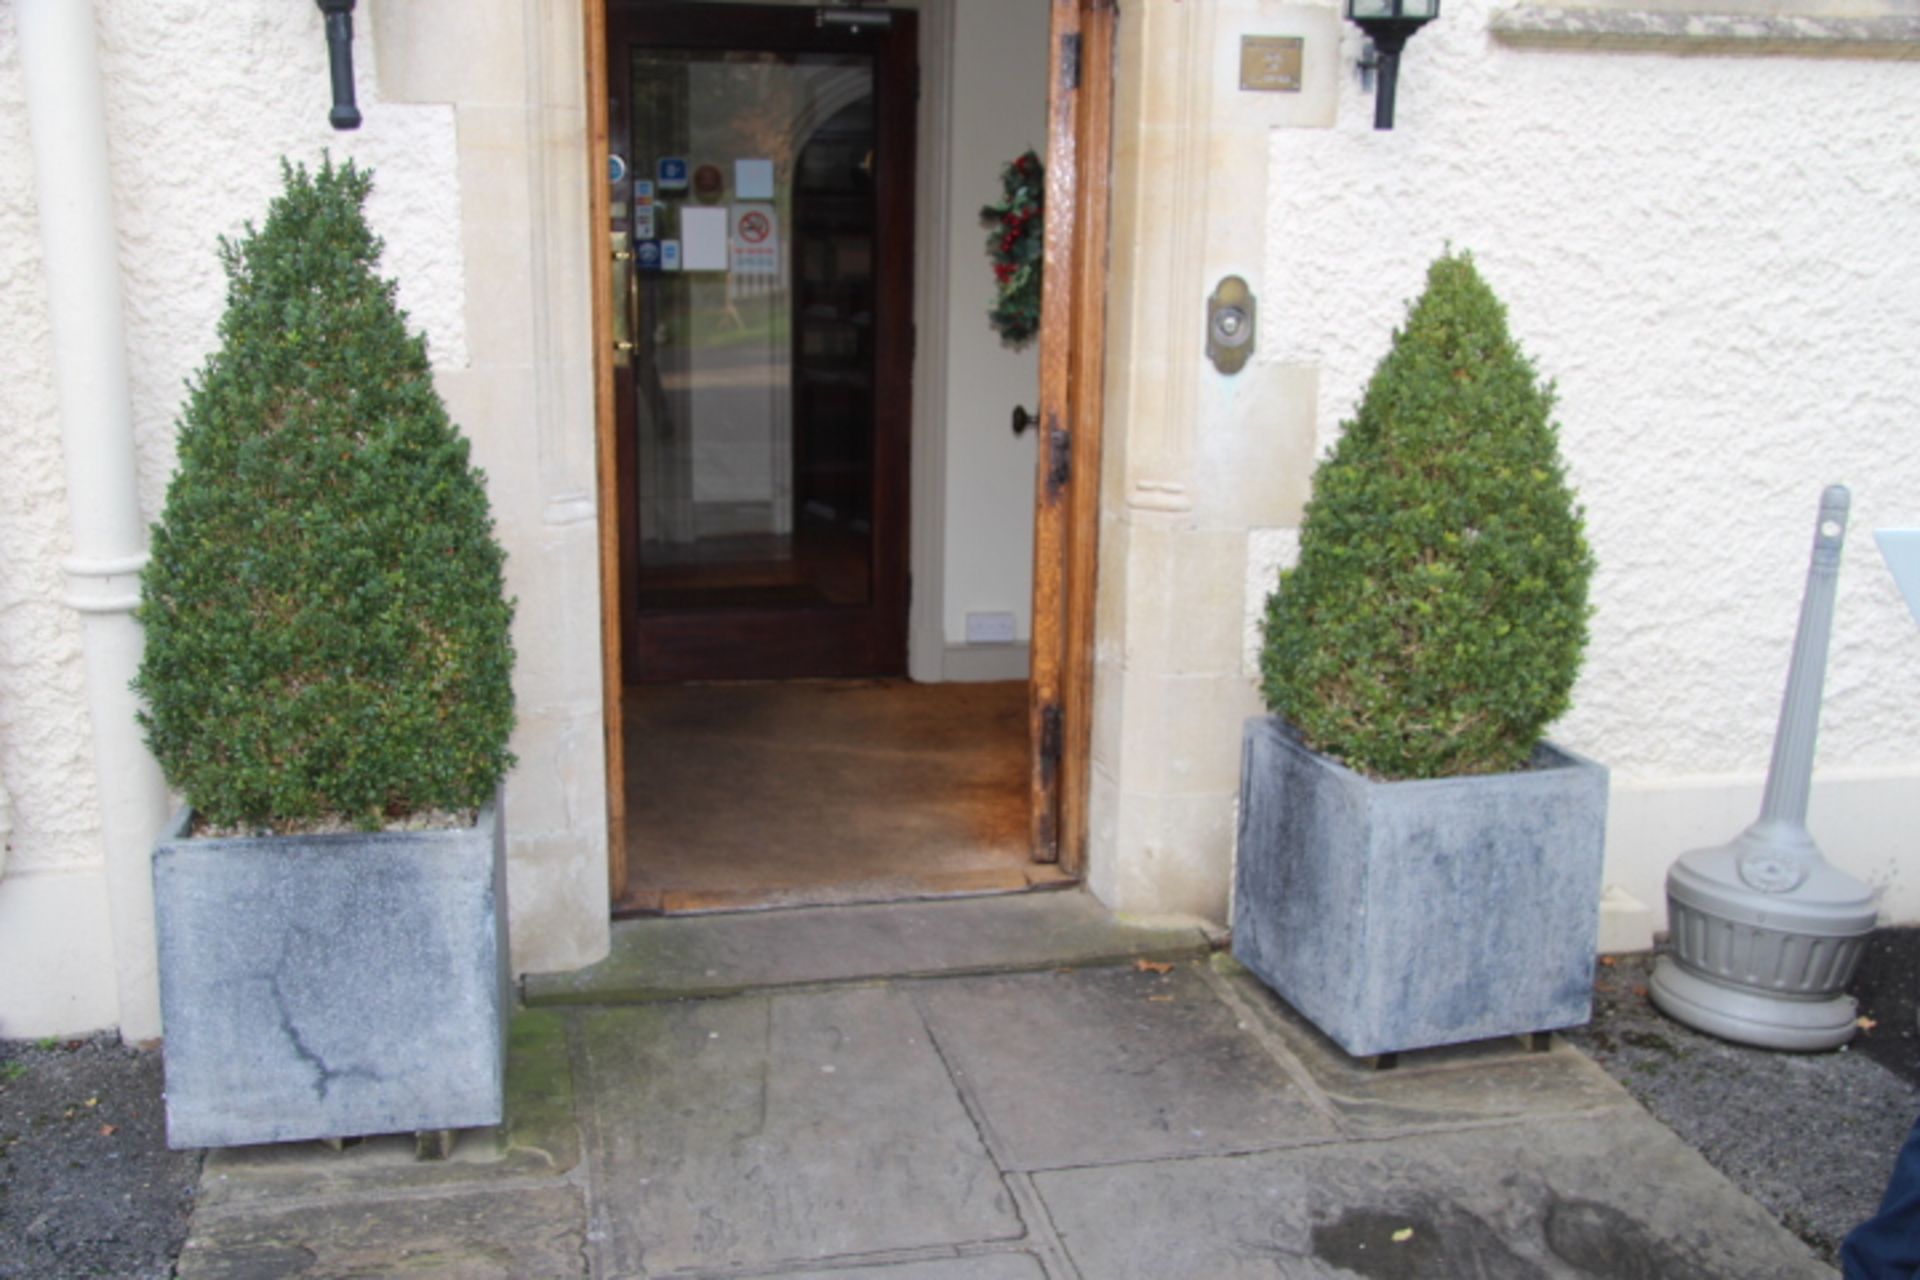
761	215
1072	372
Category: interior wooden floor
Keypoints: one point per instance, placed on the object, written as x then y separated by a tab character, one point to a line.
754	795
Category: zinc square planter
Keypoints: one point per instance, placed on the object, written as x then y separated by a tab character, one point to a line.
1407	915
332	985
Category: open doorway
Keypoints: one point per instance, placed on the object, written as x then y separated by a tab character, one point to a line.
757	427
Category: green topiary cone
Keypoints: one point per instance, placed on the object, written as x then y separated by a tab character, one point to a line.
326	631
1435	622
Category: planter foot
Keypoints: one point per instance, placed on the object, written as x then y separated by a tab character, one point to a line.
1538	1041
1384	1061
433	1144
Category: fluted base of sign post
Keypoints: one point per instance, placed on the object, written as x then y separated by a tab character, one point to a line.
1765	969
1745	1016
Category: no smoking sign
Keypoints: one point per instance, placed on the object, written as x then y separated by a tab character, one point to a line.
755	227
756	240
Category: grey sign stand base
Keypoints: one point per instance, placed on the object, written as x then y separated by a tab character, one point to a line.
1748	1017
1766	934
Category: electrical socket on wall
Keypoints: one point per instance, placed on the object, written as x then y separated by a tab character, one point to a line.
990	628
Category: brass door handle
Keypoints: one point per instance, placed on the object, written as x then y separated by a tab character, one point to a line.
622	301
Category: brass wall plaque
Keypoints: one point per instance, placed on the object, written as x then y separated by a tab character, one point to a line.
1271	63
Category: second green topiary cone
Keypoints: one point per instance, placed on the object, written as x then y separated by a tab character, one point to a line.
1435	622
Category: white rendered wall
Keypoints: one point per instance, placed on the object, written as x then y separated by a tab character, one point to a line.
999	110
202	102
1717	259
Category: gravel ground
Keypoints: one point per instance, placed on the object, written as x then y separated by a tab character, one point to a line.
1810	1136
87	1185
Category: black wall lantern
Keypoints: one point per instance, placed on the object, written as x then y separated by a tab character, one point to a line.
1389	23
339	13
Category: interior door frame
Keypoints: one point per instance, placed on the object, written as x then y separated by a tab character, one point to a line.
1072	351
762	642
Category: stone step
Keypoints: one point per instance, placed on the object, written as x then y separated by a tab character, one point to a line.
687	957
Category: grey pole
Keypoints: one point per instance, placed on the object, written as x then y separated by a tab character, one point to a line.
1765	933
1777	853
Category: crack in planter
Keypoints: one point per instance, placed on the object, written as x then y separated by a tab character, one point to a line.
326	1074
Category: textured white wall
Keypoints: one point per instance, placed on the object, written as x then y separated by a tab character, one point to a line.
1717	260
999	109
202	100
44	741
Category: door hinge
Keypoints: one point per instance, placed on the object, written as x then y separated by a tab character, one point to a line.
1059	457
1052	735
1070	60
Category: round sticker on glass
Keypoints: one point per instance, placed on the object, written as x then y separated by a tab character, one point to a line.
616	168
708	184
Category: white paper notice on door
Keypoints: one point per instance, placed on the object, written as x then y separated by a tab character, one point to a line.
703	238
753	179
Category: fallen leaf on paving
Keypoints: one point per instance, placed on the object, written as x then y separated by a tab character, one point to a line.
1403	1235
1865	1023
1153	966
1159	999
1640	991
108	1130
93	1102
1607	961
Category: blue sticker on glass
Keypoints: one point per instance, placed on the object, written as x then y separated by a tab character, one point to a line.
673	173
647	254
669	255
616	168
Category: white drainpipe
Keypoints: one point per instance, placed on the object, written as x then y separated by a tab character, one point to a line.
60	65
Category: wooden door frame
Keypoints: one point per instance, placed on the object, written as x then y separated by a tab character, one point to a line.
1067	516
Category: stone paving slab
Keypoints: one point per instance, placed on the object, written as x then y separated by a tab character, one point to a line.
1489	1080
991	1127
1610	1198
992	1266
784	1129
500	1234
675	957
1108	1065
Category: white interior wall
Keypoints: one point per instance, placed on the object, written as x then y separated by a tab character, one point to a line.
998	110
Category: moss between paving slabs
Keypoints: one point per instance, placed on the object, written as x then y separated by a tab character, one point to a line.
540	1089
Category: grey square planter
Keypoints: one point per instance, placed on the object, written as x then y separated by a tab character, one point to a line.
331	986
1403	915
